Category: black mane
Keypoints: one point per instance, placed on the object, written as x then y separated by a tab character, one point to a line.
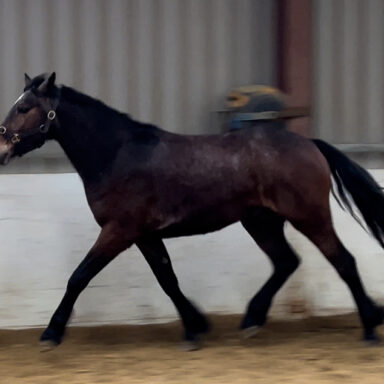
103	114
104	118
84	100
92	133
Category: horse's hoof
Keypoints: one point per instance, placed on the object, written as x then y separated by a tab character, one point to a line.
373	343
190	345
198	325
371	338
47	345
50	339
249	332
191	342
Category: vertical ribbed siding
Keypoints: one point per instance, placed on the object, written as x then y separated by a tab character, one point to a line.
169	62
166	61
348	72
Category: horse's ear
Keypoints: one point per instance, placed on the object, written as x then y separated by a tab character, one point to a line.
47	84
27	80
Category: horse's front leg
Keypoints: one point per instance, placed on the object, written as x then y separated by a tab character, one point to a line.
158	259
111	241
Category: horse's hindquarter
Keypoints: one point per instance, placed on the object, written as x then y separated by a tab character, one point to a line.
295	176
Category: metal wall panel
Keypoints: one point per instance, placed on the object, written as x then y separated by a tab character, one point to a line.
348	71
169	62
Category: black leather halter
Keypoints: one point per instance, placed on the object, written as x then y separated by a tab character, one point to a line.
43	128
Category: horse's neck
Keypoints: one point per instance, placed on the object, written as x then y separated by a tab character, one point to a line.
90	146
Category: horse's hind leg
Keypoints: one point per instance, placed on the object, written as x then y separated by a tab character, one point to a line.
267	229
154	251
320	231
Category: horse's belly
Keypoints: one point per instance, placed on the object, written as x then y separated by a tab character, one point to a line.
202	223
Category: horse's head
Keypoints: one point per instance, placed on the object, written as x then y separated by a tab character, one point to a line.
26	125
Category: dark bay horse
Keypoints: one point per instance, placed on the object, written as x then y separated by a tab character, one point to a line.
144	184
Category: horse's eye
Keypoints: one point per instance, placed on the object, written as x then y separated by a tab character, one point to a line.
23	109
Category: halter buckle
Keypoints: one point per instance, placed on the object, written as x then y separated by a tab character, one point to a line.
15	138
2	130
44	128
51	115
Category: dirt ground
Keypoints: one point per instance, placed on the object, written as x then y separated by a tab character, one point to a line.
327	350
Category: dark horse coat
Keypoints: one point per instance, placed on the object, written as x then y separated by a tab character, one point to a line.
144	184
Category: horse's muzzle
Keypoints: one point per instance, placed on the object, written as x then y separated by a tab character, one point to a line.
5	153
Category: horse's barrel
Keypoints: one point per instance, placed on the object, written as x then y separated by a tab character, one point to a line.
253	102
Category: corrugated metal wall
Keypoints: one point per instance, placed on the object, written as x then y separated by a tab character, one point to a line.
349	71
169	62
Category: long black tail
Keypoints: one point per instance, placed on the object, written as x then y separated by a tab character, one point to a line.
355	184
